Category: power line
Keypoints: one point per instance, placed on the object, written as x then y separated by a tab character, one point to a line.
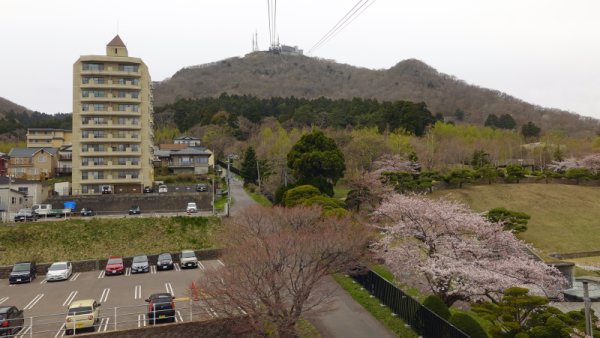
348	18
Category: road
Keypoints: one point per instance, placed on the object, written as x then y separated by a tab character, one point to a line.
346	318
122	298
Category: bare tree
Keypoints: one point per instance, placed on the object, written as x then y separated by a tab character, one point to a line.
275	260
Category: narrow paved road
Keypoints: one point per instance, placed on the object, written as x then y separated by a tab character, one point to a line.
347	318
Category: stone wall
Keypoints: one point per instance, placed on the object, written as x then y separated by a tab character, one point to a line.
99	264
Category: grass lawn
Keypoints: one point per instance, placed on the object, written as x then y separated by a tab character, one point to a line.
305	329
259	198
372	304
100	238
564	218
220	202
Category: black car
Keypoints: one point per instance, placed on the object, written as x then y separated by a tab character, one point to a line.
148	190
135	210
87	212
162	307
202	187
11	320
164	262
25	215
23	272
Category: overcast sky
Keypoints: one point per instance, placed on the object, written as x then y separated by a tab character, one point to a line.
545	52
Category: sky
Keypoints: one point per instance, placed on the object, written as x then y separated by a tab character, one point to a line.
545	52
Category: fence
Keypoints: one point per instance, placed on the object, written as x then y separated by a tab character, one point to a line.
421	319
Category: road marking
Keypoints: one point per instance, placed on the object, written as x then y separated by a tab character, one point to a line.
169	288
104	296
177	268
218	260
103	322
70	298
11	285
102	273
152	268
60	332
127	271
4	299
178	317
24	331
141	320
242	311
137	292
44	281
74	277
209	313
34	301
201	265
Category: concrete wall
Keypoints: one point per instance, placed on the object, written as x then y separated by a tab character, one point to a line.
99	264
218	328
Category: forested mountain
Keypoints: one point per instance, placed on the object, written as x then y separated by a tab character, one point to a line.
8	106
15	119
266	75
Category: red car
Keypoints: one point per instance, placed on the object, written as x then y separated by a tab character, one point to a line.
115	265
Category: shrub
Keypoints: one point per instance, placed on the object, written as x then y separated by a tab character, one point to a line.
251	187
437	305
299	194
280	192
468	325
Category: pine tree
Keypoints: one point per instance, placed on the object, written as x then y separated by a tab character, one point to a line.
249	171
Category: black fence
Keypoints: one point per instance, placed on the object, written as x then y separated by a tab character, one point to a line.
422	320
233	170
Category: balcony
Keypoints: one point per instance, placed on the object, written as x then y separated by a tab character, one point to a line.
110	98
111	179
110	71
110	85
109	125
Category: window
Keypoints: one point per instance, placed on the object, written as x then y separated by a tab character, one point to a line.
24	190
135	82
203	160
93	66
92	160
135	121
135	147
99	107
128	68
121	120
98	133
42	159
85	107
118	134
97	175
121	93
135	95
98	93
85	93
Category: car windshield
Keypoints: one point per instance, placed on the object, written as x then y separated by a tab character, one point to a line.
187	254
80	310
21	267
140	259
133	207
54	267
164	257
115	261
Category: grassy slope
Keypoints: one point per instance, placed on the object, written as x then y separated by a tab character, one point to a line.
100	238
564	218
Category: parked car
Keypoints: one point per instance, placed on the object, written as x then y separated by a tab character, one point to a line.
191	207
106	189
87	212
148	190
164	262
140	264
201	187
26	214
114	266
11	320
187	259
135	210
161	307
82	314
23	272
162	188
59	271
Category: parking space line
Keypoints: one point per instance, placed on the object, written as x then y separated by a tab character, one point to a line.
127	271
11	285
152	268
44	281
141	320
102	273
24	331
201	265
209	313
104	296
74	277
169	288
105	325
177	268
70	298
218	260
34	301
4	299
60	332
178	317
137	292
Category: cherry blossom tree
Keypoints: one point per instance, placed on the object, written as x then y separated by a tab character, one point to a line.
275	261
461	255
590	162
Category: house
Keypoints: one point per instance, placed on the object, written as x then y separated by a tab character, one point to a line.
3	164
11	201
190	141
65	160
196	160
32	163
31	189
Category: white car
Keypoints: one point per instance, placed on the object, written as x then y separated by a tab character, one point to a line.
188	259
191	207
59	271
163	188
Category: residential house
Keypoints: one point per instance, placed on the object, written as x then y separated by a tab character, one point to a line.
65	160
31	189
11	201
32	163
48	137
190	141
194	160
3	164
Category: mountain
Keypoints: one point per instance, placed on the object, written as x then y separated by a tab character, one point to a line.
266	75
7	106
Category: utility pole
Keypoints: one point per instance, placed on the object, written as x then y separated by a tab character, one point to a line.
228	184
213	195
258	171
588	305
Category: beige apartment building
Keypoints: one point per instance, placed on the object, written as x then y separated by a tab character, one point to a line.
112	123
48	137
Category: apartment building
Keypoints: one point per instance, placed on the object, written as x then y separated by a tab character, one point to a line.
112	123
48	137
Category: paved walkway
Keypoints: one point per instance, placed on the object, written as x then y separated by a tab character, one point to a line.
344	318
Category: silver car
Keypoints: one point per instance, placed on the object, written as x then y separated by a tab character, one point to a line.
140	264
188	259
59	271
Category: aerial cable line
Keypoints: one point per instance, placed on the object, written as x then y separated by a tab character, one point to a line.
350	16
346	24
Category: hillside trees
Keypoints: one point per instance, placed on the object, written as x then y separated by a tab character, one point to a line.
275	262
249	168
530	130
316	160
460	254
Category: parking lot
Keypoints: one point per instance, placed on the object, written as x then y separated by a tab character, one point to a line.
122	298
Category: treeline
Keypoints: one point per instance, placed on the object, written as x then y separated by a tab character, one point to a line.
12	121
322	112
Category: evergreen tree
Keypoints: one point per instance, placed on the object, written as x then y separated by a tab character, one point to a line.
491	121
530	130
249	170
506	121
